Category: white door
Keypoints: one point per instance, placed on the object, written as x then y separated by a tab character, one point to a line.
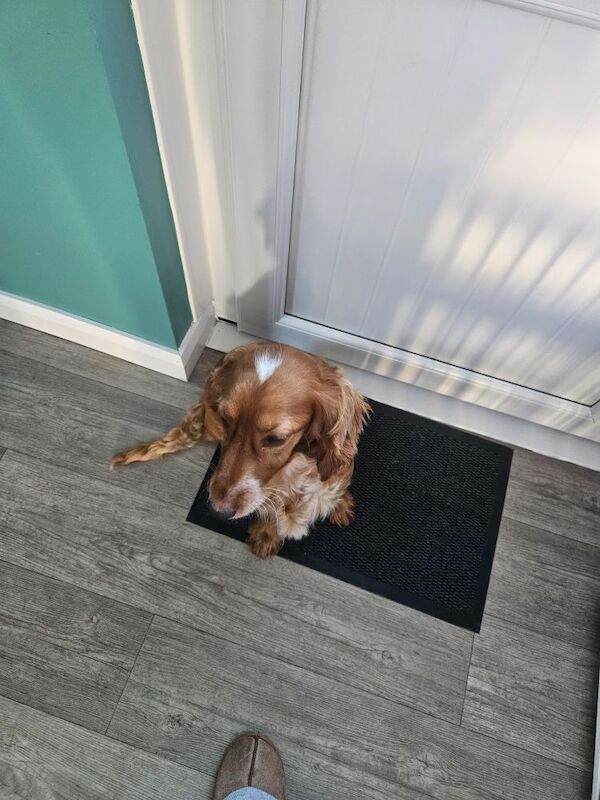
447	187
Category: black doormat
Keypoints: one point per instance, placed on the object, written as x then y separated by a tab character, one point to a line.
428	504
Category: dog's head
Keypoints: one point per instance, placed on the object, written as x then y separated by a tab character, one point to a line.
266	402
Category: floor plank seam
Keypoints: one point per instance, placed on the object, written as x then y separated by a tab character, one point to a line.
88	657
102	383
139	650
82	588
101	735
73	471
592	650
535	753
596	546
462	710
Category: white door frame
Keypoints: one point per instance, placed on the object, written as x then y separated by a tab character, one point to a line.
256	224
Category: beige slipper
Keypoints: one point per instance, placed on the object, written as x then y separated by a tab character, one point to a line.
250	760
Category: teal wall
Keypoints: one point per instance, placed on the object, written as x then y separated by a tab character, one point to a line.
85	222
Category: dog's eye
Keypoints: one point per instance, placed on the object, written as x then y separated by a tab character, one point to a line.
273	441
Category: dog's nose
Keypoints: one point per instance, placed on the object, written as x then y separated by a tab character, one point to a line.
226	513
221	508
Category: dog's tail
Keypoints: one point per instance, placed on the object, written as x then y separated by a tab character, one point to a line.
190	430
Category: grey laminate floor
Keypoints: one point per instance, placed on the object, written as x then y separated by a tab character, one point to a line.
134	646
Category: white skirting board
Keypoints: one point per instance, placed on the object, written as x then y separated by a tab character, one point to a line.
514	431
175	363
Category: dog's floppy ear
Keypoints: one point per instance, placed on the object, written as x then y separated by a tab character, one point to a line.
204	414
339	417
212	424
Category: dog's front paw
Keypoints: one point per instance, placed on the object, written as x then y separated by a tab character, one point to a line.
263	539
343	513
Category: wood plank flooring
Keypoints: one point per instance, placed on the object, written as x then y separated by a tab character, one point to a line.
134	646
43	758
56	523
406	752
532	690
64	650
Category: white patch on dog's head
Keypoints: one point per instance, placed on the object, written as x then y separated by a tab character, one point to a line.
266	363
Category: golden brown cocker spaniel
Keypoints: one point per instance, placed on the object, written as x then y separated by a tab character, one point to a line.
288	426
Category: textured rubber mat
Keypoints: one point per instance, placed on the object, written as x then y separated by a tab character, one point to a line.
429	500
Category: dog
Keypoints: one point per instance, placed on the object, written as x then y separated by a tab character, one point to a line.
288	426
